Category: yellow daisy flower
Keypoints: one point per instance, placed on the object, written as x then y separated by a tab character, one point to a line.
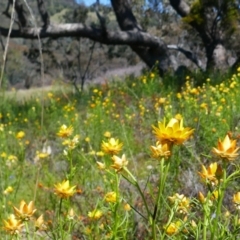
173	132
226	149
112	146
25	211
119	163
13	225
65	131
64	190
160	150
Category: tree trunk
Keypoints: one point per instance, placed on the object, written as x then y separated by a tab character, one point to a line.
153	56
215	52
217	58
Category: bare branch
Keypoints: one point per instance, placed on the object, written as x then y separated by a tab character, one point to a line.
188	54
1	41
151	55
21	13
101	19
94	33
43	12
6	11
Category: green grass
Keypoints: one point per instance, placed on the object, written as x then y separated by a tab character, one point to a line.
128	110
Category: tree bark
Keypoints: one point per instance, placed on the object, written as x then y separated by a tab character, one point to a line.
43	12
215	50
153	55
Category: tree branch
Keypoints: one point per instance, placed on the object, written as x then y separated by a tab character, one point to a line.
21	13
6	11
101	19
93	33
43	12
1	41
188	54
151	55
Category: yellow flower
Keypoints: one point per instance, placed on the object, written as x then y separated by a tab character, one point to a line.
111	197
172	228
101	165
227	149
107	134
152	75
178	116
112	146
201	197
95	214
11	160
100	154
181	201
236	200
173	132
8	190
119	163
214	195
127	207
212	174
161	150
72	143
162	100
3	155
50	95
13	225
71	214
20	135
41	155
64	190
39	224
25	211
65	131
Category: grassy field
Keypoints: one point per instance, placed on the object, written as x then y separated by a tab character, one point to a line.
133	159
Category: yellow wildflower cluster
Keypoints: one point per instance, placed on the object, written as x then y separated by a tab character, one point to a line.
181	202
15	222
168	135
65	133
212	174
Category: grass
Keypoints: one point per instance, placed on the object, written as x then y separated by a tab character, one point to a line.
59	163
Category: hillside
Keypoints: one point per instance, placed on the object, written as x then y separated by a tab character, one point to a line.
64	59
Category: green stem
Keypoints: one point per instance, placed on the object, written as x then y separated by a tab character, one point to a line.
115	229
205	217
71	165
19	181
163	175
135	183
59	210
27	230
221	192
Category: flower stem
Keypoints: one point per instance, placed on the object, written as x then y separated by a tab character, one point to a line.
134	182
163	175
115	228
221	192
